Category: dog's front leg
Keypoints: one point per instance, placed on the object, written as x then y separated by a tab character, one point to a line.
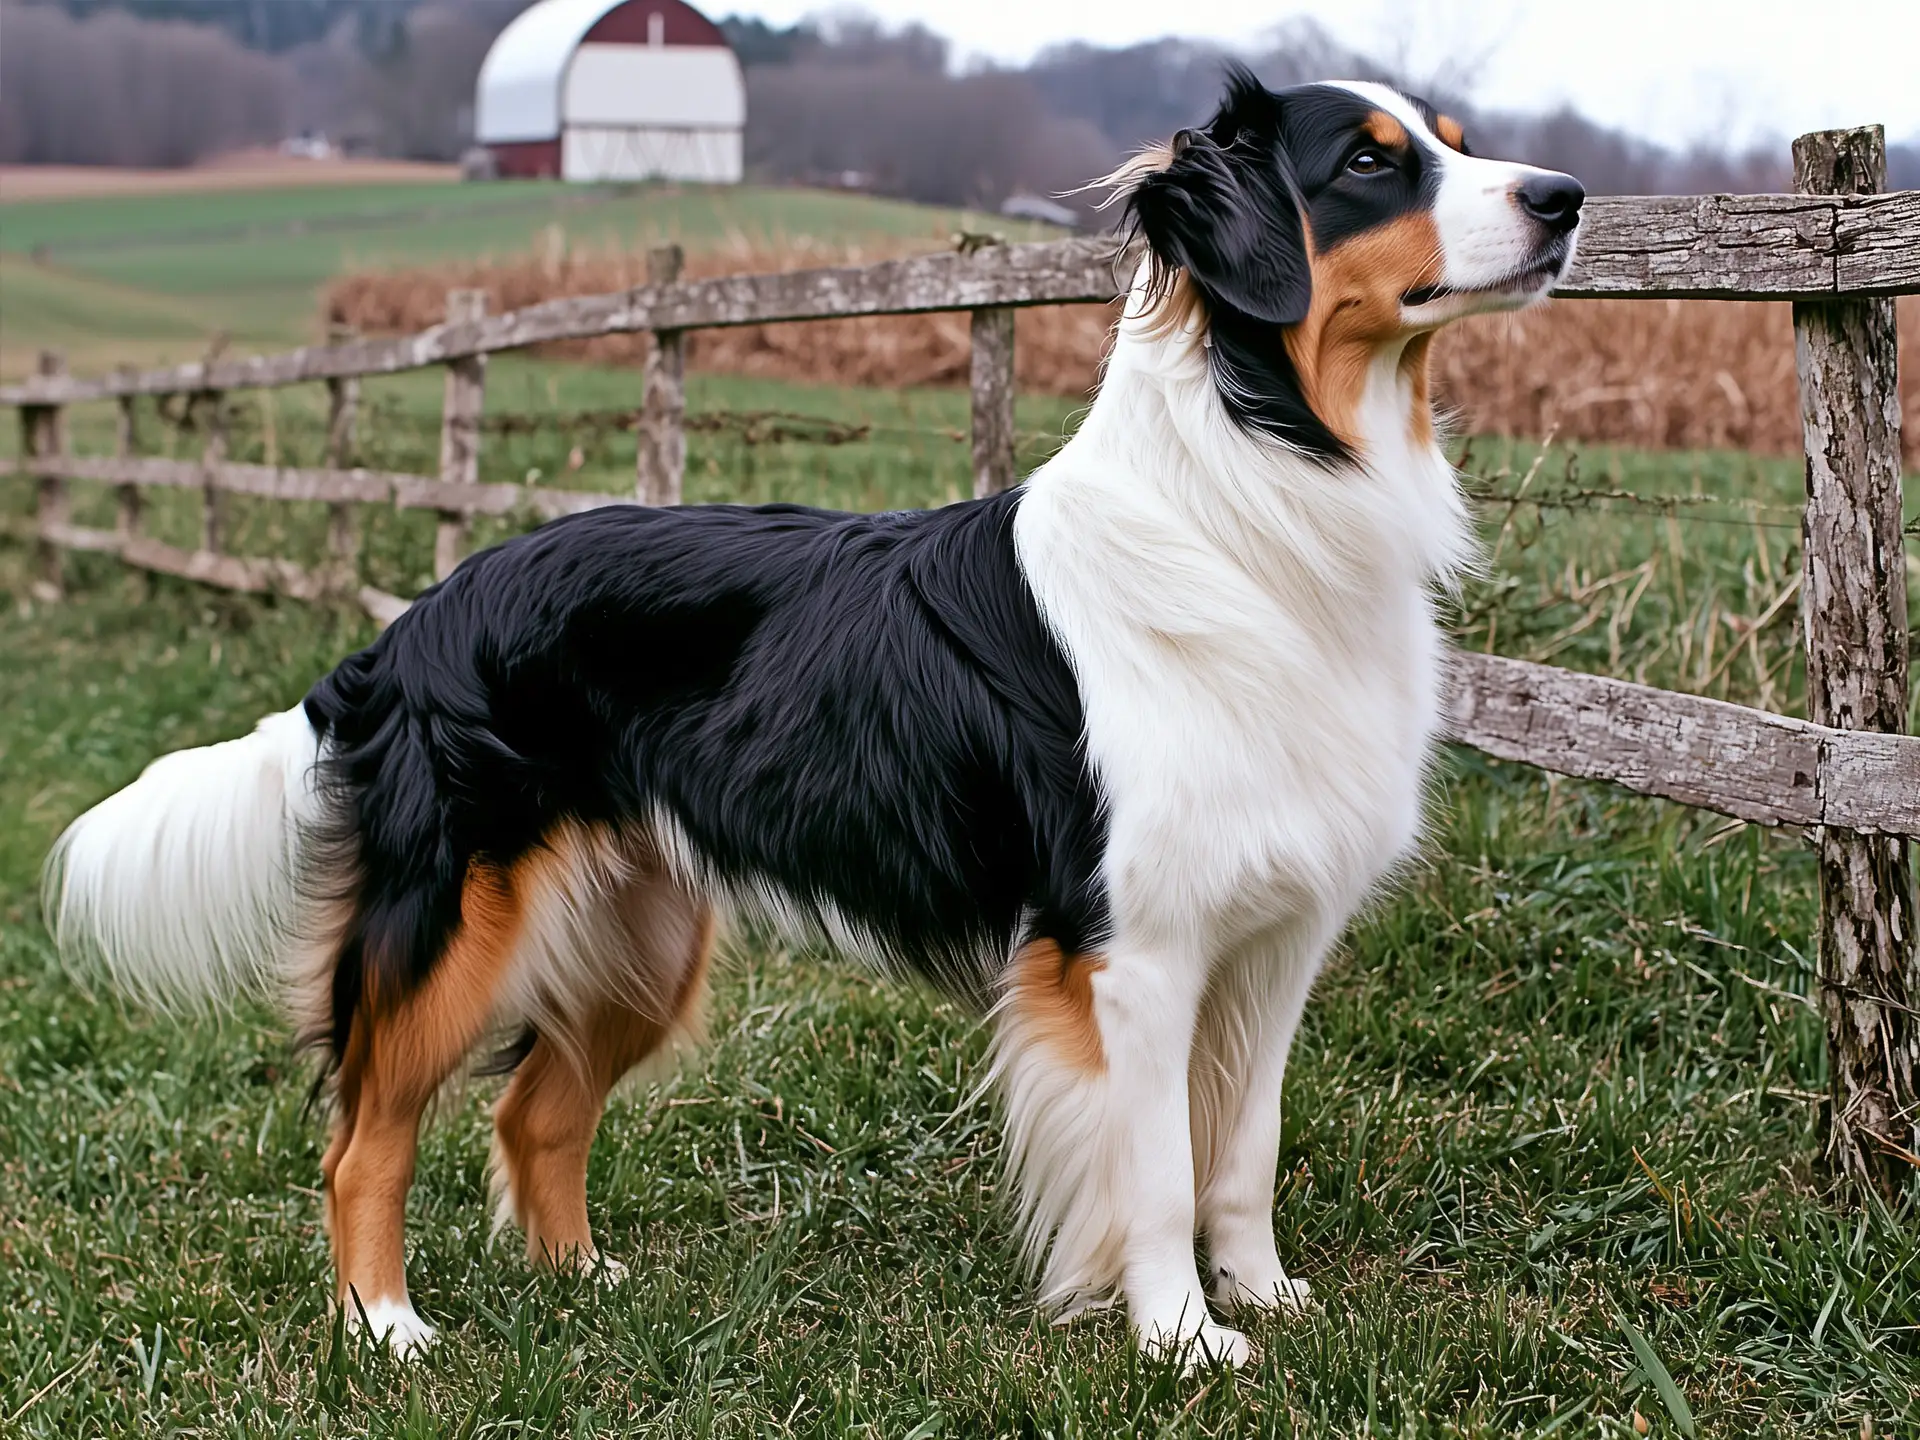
1246	1029
1147	1005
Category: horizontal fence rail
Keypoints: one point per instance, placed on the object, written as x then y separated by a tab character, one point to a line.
1715	247
1837	254
260	576
1712	754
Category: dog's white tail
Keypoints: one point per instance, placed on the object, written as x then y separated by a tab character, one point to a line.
185	886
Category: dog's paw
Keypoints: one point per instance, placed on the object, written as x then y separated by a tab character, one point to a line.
582	1260
1200	1347
605	1271
396	1323
1265	1288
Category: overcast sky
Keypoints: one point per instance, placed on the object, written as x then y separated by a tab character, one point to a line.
1673	70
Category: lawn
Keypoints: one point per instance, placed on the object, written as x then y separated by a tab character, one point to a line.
97	271
1550	1124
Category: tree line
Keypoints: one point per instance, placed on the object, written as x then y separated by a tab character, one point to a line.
101	82
842	99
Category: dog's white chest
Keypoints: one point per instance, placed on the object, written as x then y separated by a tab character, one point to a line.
1286	790
1261	750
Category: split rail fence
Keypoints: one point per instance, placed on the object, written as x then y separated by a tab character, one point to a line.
1837	250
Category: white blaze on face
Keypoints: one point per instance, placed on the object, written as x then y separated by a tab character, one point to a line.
1488	240
1490	247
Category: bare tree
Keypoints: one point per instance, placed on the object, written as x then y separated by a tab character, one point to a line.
419	92
1138	94
116	90
1441	48
951	139
851	39
1143	93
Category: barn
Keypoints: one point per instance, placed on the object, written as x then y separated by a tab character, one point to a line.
612	90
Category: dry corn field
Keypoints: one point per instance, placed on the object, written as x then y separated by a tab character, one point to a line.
1662	374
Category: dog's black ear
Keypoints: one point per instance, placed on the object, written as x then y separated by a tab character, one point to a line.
1227	209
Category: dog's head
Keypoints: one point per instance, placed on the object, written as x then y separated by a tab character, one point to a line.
1322	233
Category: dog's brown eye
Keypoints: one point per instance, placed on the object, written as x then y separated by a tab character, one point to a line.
1367	162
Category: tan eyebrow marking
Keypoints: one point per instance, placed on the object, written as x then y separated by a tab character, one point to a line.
1383	129
1449	131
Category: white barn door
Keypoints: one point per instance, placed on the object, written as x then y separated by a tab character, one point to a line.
644	112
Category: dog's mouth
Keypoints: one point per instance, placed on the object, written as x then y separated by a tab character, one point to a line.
1532	279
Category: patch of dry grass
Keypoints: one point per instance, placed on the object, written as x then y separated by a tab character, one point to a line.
1659	374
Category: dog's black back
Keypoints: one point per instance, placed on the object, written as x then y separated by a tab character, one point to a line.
866	710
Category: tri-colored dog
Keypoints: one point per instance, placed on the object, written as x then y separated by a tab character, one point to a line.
1117	753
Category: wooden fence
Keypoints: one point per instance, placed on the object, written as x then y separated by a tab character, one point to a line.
1836	250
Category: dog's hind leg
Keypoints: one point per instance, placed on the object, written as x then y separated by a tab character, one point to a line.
398	1053
545	1122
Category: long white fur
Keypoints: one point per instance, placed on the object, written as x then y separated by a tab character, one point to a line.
1286	616
184	887
607	922
1068	1198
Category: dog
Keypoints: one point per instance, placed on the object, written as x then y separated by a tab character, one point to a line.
1117	754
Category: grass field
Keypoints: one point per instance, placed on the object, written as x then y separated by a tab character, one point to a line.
1550	1125
170	270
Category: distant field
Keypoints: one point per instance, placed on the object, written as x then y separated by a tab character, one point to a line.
245	170
149	276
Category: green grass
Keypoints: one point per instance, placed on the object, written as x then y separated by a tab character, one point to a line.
1550	1122
251	262
41	301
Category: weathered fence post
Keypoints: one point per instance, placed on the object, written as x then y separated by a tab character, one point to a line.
212	408
460	431
992	385
1854	607
343	517
43	433
130	504
661	458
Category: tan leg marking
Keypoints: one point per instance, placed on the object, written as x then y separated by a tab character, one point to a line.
397	1057
545	1122
1051	996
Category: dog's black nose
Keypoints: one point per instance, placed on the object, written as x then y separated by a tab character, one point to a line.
1553	200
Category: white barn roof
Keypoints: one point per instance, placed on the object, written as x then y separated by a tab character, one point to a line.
676	71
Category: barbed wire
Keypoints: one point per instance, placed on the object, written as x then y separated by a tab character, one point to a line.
758	427
1569	494
1666	506
753	427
